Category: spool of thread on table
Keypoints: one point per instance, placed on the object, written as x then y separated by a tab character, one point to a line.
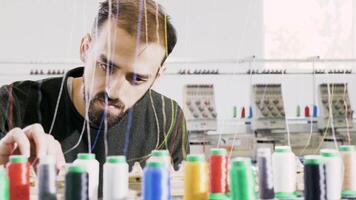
218	173
162	155
4	184
196	178
156	181
334	173
348	155
265	174
116	178
76	183
314	178
284	172
91	165
18	170
47	178
242	180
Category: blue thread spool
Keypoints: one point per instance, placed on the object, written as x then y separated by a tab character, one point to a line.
156	181
250	113
315	111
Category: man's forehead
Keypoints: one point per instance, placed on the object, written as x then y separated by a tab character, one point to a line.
119	47
113	37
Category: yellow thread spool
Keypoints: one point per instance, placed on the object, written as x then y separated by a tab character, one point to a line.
196	179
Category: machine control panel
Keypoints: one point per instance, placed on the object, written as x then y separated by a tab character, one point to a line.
267	105
199	107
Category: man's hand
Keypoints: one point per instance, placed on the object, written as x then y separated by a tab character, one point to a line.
32	142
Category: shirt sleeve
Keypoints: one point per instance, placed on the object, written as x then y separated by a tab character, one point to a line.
179	140
4	110
13	99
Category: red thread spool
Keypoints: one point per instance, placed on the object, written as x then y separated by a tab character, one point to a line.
18	170
243	112
306	111
218	172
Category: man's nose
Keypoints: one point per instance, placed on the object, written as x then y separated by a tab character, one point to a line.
116	86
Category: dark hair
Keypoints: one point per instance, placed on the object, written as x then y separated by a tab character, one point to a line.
152	17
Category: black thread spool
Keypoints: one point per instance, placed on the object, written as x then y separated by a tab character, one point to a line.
77	183
47	179
314	178
265	179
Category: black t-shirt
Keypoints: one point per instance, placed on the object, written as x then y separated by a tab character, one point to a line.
154	122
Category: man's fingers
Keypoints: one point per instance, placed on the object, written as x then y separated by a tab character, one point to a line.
15	136
60	156
42	143
36	133
55	150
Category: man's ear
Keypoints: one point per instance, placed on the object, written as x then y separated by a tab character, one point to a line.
84	47
161	70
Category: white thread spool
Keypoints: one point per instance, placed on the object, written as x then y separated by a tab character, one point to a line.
88	161
162	156
116	178
348	155
284	172
334	173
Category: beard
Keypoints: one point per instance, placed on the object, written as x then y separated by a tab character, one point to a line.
102	107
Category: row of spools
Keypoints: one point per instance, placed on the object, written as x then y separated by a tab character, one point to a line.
330	175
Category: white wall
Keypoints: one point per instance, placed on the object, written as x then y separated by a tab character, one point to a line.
50	30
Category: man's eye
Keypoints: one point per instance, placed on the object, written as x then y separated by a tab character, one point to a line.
106	67
102	66
136	80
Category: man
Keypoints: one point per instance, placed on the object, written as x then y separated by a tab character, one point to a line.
107	107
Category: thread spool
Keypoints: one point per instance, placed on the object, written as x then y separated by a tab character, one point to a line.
162	156
243	113
242	180
306	111
116	178
284	172
18	170
298	111
4	184
47	178
348	155
250	113
156	181
315	111
314	178
218	173
334	173
196	178
87	160
265	175
76	183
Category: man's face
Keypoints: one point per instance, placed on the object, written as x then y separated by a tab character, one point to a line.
118	72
